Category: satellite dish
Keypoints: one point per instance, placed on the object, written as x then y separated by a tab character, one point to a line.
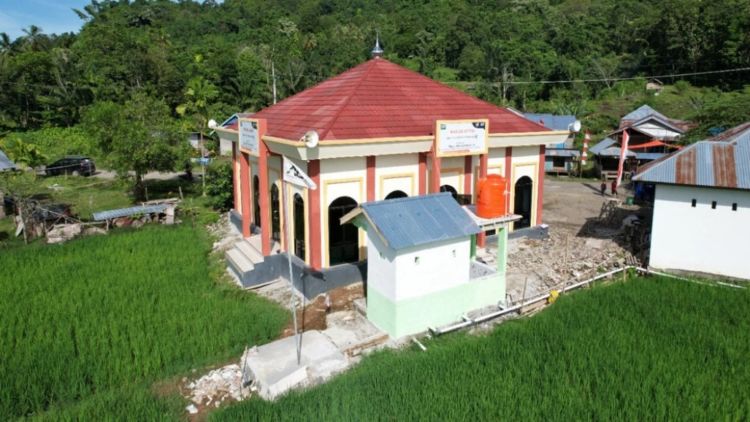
311	139
575	126
212	124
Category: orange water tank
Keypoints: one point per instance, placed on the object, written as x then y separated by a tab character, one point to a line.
491	196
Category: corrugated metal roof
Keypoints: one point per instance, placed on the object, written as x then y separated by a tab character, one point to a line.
723	164
419	220
734	135
641	113
602	145
647	155
5	163
127	212
380	99
552	121
645	112
559	152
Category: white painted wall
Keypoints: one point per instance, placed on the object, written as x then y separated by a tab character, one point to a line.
701	239
396	172
496	161
381	266
440	266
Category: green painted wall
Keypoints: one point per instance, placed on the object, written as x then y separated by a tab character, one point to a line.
417	314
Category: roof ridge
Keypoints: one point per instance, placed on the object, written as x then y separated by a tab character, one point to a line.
469	96
343	105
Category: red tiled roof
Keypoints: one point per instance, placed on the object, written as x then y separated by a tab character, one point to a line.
379	99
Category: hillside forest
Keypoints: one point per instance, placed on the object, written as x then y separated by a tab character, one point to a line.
143	67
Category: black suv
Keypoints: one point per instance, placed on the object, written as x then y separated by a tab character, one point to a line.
72	164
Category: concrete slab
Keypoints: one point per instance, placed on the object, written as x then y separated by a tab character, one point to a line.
347	329
274	370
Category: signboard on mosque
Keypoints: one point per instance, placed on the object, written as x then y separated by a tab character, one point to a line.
248	135
461	137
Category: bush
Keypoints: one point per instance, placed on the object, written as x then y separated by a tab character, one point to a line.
219	185
57	142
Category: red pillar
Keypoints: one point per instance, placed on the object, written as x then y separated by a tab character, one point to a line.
468	161
540	187
508	176
245	193
235	180
481	237
422	173
435	173
371	178
313	201
265	193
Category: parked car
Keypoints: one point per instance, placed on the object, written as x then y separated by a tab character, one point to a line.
72	164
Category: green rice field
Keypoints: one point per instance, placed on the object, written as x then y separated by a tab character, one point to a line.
89	329
646	349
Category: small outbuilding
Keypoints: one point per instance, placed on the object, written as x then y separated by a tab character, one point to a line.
420	267
701	219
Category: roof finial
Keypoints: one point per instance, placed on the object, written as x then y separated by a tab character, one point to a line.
377	51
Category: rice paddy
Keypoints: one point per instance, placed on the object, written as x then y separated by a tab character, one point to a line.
87	328
646	349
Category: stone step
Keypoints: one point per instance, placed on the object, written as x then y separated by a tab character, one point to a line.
239	261
256	242
254	255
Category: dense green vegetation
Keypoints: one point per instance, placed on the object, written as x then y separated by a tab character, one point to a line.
208	59
90	326
647	349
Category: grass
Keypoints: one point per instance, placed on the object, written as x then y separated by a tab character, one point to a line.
647	349
90	326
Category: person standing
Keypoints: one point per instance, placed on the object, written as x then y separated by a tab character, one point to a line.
614	187
603	187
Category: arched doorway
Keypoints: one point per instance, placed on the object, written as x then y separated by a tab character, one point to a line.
343	240
256	201
522	202
275	213
396	194
299	226
451	189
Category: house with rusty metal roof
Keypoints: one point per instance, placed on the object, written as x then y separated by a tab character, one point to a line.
701	219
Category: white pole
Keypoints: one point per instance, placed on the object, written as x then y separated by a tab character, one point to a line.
273	79
292	304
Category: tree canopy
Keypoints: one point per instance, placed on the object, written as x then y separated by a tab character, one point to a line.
161	49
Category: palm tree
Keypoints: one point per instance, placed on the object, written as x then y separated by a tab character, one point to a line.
34	38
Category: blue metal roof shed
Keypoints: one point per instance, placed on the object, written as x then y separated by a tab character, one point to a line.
407	222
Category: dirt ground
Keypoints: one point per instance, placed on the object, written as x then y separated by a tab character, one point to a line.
580	244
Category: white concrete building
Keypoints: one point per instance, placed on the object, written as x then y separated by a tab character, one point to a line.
701	220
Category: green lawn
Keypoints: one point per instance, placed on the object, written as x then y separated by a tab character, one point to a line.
88	327
647	349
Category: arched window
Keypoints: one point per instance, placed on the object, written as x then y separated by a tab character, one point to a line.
396	194
343	240
451	189
275	213
299	226
256	201
522	202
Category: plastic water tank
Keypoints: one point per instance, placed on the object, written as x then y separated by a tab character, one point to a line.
491	196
